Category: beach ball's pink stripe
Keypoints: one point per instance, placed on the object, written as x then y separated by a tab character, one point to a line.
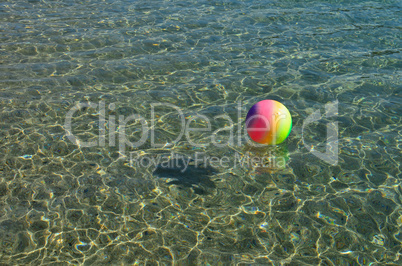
255	122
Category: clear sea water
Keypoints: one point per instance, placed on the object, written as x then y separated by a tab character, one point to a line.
62	203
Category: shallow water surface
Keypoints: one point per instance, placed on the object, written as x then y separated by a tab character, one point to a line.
65	203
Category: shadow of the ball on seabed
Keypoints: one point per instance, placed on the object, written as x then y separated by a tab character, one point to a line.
185	172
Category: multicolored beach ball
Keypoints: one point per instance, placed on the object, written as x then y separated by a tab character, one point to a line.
268	122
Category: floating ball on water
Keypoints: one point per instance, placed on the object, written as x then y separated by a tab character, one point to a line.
268	122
